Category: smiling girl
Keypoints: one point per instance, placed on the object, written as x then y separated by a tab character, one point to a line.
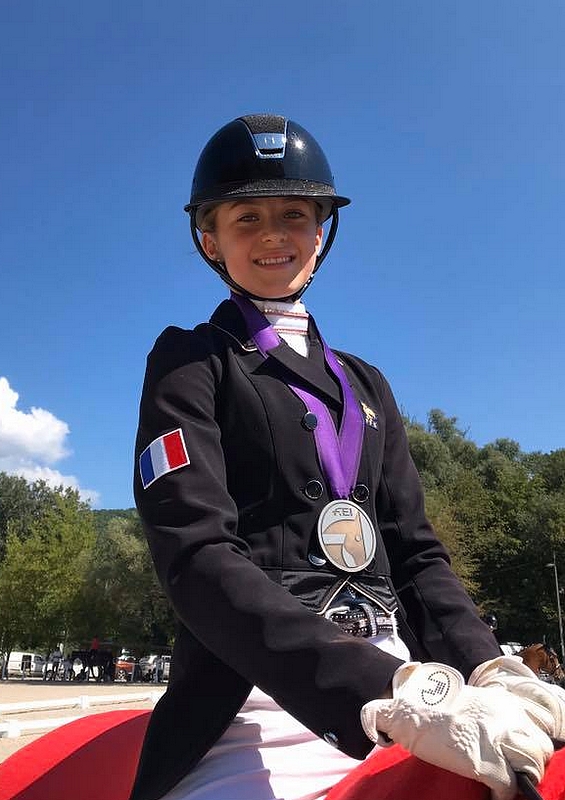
286	523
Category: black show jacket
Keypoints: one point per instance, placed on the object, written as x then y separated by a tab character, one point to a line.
230	535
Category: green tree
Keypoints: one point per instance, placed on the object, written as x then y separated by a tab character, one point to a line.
442	456
550	468
22	570
443	515
43	571
20	503
501	514
122	593
431	456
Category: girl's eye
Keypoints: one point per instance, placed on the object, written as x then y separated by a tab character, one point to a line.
294	213
247	218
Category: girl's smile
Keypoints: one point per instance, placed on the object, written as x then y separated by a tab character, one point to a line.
268	245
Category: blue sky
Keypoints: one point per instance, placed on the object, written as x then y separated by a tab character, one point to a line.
444	121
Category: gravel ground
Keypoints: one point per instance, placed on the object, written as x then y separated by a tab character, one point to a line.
18	691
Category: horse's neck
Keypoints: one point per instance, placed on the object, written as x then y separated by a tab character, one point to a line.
534	657
540	658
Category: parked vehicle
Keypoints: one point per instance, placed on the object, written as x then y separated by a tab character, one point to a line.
148	665
511	648
127	668
25	664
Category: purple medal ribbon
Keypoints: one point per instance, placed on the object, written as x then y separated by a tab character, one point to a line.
339	454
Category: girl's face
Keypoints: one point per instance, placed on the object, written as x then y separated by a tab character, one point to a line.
269	245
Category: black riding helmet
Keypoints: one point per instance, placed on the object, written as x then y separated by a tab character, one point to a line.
262	155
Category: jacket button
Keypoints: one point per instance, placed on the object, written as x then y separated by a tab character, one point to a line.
313	490
331	738
361	493
309	421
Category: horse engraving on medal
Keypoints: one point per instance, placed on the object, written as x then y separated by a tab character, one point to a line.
346	535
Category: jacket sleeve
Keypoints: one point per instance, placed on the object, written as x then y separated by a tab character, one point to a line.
438	608
317	673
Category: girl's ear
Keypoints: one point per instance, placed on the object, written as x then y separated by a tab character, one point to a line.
210	247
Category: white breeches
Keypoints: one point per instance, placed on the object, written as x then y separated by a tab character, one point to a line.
267	755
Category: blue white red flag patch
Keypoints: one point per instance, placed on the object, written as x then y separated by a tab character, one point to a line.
164	454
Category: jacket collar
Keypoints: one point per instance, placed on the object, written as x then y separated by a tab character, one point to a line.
312	371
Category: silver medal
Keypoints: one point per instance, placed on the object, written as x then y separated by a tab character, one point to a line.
346	536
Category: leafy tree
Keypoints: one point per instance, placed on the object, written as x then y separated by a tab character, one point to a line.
43	571
22	570
463	451
104	517
445	428
501	514
431	456
550	468
509	449
522	528
451	532
122	593
20	503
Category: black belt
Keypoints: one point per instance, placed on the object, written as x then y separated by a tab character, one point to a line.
361	619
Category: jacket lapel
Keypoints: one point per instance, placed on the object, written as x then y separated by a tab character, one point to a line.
310	372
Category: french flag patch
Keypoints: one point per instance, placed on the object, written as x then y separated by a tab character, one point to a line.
164	454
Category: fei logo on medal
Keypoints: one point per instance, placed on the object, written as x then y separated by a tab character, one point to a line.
346	536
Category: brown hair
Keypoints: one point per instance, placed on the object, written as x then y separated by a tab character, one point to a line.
206	217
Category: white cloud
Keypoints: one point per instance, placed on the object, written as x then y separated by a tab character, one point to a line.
36	434
30	442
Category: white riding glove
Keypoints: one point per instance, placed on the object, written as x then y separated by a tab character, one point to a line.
543	702
483	734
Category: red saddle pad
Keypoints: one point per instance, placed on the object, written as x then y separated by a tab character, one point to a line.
93	757
393	774
96	756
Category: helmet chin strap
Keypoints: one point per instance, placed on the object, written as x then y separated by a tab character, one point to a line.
220	268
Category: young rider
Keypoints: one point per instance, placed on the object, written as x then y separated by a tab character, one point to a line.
318	613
